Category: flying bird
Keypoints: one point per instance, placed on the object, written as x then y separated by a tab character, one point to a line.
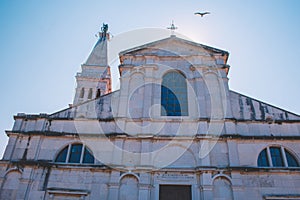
202	13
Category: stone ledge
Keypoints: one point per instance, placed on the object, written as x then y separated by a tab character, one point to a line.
68	191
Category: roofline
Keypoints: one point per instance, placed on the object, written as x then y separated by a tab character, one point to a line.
184	40
47	116
266	103
74	106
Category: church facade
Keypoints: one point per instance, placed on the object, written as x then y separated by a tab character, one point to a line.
174	130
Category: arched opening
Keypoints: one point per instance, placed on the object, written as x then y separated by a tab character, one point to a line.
174	95
75	153
222	189
276	156
81	93
98	94
129	188
11	185
90	95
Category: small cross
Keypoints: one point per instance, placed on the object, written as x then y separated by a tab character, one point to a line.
172	28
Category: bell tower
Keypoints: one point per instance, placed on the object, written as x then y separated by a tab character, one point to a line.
94	79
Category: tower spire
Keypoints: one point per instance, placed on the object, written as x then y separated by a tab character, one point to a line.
98	56
95	78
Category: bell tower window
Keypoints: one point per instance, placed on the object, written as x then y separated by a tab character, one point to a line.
98	93
81	93
90	95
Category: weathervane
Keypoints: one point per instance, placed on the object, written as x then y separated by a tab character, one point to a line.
172	28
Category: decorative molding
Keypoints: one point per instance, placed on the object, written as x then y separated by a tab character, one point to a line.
64	191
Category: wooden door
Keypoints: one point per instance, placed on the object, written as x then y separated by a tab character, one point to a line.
175	192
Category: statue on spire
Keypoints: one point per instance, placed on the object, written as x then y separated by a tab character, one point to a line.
104	28
103	33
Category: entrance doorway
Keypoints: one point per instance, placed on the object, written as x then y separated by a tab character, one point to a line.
175	192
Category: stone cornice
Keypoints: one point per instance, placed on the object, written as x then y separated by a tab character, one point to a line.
165	119
160	137
137	169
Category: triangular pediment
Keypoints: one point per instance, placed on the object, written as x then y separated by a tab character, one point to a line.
174	46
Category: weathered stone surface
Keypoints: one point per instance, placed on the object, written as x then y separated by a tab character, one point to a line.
214	149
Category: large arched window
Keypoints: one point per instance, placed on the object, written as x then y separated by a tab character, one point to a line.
276	157
75	153
174	95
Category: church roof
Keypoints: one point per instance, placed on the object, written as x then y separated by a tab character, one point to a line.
245	108
248	108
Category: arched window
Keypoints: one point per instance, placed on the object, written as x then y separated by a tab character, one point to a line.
174	95
75	153
276	157
81	93
90	95
98	93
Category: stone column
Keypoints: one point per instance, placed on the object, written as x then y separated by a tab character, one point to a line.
233	153
145	152
144	191
117	152
123	99
113	185
206	188
195	191
113	191
237	186
148	89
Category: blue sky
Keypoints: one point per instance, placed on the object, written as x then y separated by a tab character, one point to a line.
43	44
